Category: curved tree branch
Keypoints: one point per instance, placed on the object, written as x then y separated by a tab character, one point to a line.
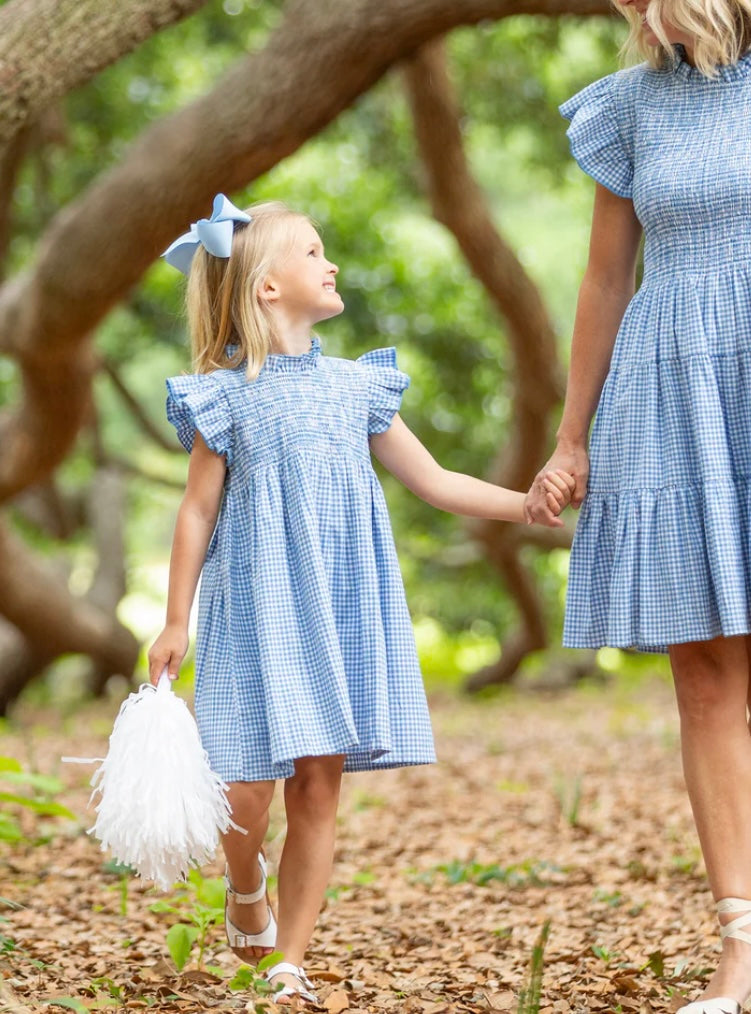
49	47
169	176
459	203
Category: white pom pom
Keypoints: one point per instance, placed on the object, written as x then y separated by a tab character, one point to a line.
161	807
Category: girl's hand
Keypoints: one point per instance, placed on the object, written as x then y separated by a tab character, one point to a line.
571	462
559	487
167	652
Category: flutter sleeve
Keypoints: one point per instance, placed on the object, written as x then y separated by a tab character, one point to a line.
385	386
599	133
198	402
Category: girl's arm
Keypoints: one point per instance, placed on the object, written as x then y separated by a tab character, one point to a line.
606	289
399	450
196	519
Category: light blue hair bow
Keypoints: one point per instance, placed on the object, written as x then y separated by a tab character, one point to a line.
214	234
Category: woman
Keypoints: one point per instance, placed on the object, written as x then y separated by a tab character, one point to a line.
662	555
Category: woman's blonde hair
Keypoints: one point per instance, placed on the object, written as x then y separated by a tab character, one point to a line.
222	299
721	30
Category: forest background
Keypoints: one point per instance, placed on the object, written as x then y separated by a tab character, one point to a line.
446	194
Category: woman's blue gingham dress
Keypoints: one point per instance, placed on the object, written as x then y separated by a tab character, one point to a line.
662	552
305	644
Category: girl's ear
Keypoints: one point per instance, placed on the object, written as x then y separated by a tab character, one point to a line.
268	290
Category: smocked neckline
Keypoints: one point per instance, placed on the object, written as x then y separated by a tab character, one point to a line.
725	72
280	361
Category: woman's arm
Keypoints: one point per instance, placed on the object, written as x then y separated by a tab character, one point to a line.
606	289
196	518
399	450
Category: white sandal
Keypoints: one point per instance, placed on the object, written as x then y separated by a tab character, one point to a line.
733	929
287	968
238	939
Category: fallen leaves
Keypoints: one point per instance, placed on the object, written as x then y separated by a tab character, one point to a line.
569	809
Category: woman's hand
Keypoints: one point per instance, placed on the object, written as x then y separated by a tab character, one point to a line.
540	503
167	652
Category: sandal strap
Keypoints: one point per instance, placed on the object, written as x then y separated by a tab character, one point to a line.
252	896
287	968
734	928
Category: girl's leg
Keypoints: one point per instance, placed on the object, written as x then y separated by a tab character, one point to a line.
250	803
712	688
311	798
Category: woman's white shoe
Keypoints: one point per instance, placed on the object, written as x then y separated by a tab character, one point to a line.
734	929
238	939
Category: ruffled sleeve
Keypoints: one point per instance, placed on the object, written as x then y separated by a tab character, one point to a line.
599	134
385	386
198	402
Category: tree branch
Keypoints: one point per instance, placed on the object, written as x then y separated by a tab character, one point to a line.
137	411
49	47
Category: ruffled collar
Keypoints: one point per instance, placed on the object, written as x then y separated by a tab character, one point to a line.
726	72
308	360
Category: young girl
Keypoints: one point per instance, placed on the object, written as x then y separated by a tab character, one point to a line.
305	659
661	558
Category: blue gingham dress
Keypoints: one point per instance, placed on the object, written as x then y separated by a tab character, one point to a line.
662	551
304	644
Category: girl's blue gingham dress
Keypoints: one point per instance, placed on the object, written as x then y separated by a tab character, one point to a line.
662	552
305	644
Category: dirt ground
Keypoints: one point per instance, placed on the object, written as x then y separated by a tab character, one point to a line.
563	810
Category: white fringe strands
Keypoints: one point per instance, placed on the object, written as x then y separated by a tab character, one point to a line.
161	807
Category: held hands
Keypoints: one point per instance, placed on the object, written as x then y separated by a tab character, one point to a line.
562	480
167	651
554	489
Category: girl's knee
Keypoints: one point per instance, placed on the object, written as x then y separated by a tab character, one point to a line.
314	788
250	796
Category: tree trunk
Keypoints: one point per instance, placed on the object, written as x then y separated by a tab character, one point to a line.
459	203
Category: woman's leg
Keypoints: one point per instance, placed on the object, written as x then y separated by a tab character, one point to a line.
311	798
250	803
712	688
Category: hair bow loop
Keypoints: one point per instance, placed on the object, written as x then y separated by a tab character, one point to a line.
214	234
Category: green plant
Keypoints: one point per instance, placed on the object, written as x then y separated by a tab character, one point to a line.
568	792
528	873
38	799
529	997
200	905
247	978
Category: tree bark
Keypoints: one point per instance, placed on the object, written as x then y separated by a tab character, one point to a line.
264	109
50	47
459	203
51	620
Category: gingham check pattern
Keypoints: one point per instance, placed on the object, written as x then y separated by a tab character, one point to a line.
305	644
662	552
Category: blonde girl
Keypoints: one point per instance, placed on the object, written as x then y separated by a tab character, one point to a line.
305	658
662	553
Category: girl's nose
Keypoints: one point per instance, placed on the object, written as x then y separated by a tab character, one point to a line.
333	268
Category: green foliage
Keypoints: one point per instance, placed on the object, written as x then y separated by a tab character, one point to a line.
517	875
200	906
529	997
568	792
37	800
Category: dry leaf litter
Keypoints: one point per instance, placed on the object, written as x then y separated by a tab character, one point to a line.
567	808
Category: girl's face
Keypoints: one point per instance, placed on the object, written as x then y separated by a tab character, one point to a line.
303	285
674	36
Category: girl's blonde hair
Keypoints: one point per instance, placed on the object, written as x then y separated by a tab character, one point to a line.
222	299
721	30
